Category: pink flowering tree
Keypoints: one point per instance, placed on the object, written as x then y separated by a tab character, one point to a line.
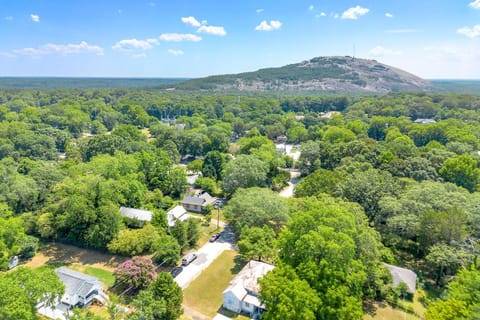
137	272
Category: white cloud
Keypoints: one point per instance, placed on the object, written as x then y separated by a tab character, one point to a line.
177	37
389	15
265	26
380	51
61	49
475	4
176	52
151	4
472	32
134	44
259	10
6	54
191	21
213	30
311	7
9	18
321	14
35	17
355	12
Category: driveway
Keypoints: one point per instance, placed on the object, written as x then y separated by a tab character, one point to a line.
206	255
287	192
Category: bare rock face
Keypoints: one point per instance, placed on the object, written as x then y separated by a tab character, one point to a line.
334	74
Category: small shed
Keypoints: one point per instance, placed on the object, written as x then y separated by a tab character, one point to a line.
400	275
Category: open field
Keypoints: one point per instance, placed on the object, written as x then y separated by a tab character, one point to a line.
216	278
384	311
63	254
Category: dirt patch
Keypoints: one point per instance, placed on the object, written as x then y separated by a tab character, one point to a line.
62	253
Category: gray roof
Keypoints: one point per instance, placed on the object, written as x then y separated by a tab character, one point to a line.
77	282
193	201
425	121
400	275
140	215
202	199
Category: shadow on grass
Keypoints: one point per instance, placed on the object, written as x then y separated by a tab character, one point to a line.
230	314
240	262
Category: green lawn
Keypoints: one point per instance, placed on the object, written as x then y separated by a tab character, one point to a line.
387	312
103	275
205	293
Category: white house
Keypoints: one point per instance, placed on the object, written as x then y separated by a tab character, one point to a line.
242	294
176	214
80	290
136	214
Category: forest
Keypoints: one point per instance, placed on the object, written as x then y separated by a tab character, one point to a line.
379	184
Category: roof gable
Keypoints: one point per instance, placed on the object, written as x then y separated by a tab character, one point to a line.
77	283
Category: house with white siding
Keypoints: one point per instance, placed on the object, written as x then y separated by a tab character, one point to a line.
241	296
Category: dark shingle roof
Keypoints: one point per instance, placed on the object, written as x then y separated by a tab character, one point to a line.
193	201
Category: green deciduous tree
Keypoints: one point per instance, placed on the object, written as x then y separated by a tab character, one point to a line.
256	207
287	297
244	172
22	289
462	170
257	243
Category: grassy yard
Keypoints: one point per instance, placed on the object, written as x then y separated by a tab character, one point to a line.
387	312
205	293
103	275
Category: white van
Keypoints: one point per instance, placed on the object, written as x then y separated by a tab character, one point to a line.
188	259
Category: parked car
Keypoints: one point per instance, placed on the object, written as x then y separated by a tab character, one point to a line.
176	271
188	259
214	237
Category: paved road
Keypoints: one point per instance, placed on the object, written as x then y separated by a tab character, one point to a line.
206	255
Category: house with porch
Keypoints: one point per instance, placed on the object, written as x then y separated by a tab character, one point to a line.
80	290
241	296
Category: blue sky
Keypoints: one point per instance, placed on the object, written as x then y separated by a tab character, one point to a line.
193	38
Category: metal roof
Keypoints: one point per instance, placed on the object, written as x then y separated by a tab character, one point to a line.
141	215
400	275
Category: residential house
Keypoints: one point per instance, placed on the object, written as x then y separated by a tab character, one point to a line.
80	290
132	214
400	275
198	202
176	214
242	294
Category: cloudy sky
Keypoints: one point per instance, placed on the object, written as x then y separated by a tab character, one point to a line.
192	38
